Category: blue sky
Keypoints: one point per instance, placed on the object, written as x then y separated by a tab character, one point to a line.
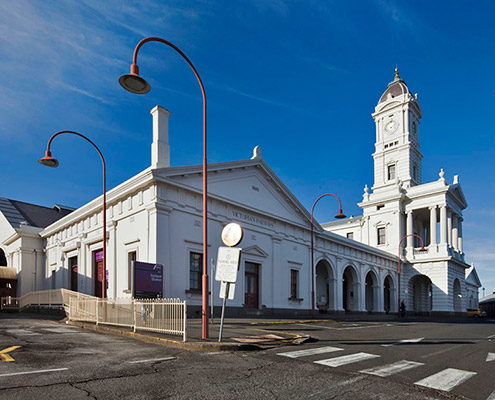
298	78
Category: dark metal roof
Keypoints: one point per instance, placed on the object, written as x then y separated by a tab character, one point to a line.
21	213
395	88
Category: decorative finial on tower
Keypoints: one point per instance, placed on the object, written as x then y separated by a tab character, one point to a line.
396	77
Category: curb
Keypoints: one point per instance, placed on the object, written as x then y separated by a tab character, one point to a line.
193	346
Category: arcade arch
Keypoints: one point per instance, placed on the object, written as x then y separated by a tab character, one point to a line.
388	301
371	292
421	294
350	289
325	286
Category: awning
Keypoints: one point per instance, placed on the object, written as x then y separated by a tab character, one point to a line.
8	273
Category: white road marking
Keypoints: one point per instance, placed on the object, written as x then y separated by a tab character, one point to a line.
310	352
344	360
446	380
390	369
346	328
417	340
491	337
41	371
491	397
490	357
152	360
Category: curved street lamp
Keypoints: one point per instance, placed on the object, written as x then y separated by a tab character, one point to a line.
398	267
49	161
135	84
340	215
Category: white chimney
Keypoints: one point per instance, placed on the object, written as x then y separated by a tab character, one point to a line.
160	150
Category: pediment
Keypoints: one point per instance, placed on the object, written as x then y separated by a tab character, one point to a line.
250	185
456	192
255	251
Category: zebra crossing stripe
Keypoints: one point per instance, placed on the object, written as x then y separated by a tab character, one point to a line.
310	352
446	380
344	360
390	369
491	397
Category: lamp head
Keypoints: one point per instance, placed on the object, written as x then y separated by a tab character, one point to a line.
340	215
48	160
133	82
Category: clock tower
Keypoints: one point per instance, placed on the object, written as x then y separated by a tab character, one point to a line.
397	155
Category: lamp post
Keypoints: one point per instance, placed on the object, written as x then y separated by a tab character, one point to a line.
398	267
49	161
135	84
340	215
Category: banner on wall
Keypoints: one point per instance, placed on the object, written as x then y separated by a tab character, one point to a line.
148	280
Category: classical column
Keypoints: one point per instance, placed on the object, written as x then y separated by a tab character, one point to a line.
455	236
459	232
443	224
449	227
409	230
433	225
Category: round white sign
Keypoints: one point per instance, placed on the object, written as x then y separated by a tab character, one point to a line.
232	234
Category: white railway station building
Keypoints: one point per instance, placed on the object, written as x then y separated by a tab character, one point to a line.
155	217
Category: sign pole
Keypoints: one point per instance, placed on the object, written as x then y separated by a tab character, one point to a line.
223	310
212	261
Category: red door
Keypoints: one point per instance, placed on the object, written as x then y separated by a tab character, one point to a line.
98	272
251	285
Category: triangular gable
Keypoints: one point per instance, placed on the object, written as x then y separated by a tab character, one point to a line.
249	184
456	192
472	277
255	251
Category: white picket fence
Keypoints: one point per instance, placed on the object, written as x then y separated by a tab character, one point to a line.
45	298
158	315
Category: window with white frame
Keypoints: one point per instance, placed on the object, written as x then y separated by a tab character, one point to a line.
381	235
391	172
195	269
350	235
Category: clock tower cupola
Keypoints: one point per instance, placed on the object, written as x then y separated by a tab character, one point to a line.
397	155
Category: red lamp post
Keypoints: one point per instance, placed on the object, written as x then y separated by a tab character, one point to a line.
135	84
49	161
398	267
340	215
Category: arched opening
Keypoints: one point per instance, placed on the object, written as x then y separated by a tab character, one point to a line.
350	292
387	293
324	286
420	288
371	296
457	296
3	259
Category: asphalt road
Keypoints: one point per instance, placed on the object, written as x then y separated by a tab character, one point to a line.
59	361
455	357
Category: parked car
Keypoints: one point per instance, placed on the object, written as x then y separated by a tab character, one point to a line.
476	313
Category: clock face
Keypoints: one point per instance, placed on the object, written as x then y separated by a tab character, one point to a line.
391	126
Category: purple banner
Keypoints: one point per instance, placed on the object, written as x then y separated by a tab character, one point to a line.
148	280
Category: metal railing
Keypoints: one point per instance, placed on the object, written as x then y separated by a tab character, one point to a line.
158	315
47	298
